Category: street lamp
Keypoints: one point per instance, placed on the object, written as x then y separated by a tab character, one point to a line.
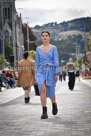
27	36
77	49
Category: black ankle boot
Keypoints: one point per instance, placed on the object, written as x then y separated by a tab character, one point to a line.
54	108
44	114
26	100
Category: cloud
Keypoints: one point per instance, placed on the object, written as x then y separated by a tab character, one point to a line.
42	16
41	12
76	12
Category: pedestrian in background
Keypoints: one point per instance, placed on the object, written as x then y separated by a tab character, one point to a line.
77	74
26	75
47	69
60	77
83	69
64	75
1	80
71	74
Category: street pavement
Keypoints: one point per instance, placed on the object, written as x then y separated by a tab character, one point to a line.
73	118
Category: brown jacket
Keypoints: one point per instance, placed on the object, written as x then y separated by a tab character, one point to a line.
26	73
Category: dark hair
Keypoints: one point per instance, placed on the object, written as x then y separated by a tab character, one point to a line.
3	71
45	32
26	54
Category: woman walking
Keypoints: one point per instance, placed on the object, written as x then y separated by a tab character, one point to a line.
47	69
26	75
71	74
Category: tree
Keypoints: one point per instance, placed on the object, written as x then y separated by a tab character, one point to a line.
32	37
89	39
8	51
32	54
1	61
89	43
79	62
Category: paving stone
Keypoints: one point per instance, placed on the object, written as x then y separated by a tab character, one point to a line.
73	119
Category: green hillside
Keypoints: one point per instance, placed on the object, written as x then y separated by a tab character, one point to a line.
67	36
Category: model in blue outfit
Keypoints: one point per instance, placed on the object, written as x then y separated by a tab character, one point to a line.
47	69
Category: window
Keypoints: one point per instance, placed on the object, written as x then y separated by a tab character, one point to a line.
7	37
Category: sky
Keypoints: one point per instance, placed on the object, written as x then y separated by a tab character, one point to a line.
39	12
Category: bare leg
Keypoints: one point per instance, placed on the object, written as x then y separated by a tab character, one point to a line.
43	95
43	101
27	93
27	97
53	99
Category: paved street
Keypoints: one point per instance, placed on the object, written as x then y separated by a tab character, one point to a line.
73	119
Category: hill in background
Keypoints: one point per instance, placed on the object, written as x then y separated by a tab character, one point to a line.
70	37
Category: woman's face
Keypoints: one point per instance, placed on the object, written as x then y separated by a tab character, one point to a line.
70	60
45	37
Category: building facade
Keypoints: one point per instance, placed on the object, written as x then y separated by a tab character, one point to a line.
11	29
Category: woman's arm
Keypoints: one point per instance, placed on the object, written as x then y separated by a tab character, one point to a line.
56	62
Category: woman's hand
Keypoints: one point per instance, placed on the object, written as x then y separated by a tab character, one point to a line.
56	78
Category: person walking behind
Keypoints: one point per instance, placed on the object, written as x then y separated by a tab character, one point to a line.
71	74
1	80
47	69
64	74
61	75
83	69
77	74
26	75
